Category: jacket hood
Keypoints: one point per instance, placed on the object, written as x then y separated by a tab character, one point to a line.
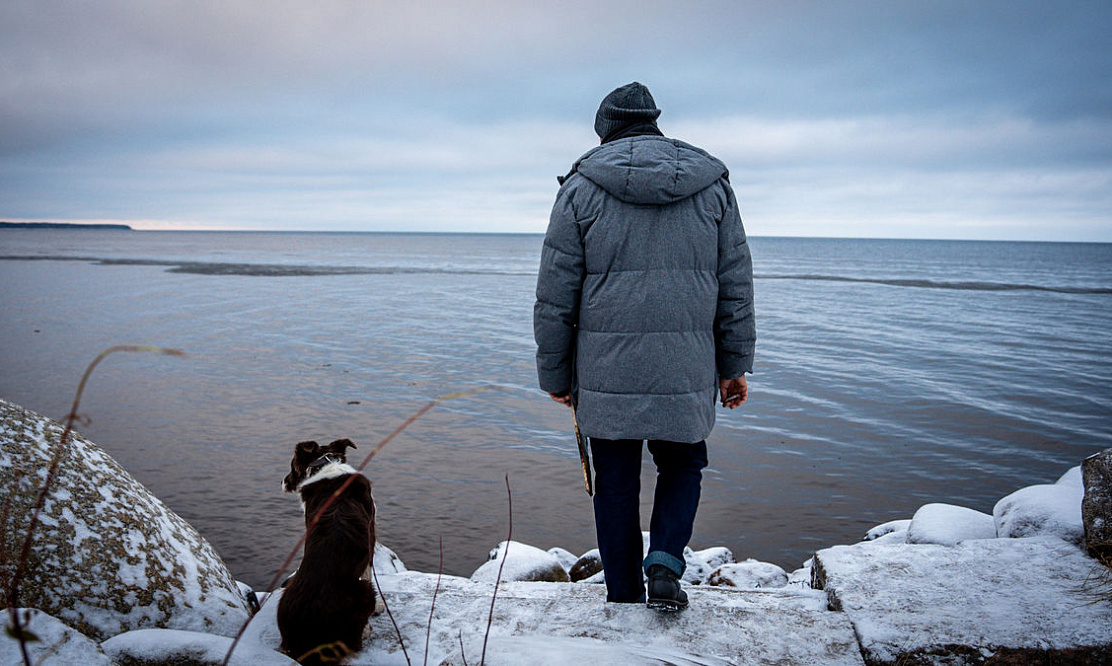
650	170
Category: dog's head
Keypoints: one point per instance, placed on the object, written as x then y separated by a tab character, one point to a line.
310	457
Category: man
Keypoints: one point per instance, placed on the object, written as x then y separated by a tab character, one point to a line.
644	308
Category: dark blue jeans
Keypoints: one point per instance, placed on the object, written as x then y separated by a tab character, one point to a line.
617	509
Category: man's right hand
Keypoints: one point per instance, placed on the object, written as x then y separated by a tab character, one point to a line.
562	398
734	392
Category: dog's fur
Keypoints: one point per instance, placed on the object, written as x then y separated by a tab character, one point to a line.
325	607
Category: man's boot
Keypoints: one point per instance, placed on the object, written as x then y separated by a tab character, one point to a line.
664	591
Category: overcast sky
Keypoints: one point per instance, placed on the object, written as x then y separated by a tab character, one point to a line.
922	119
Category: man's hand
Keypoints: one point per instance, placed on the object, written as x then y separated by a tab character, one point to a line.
562	398
734	392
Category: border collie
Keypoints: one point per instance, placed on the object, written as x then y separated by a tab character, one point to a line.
324	609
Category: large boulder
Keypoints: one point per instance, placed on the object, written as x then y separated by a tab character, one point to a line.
946	525
107	556
520	562
1096	506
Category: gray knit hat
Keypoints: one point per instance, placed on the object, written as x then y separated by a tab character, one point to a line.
628	105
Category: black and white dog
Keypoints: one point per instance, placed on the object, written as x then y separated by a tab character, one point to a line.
324	609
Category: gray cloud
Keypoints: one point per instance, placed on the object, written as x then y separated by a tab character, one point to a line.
458	115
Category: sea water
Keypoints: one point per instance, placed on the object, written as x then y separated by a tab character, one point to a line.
888	374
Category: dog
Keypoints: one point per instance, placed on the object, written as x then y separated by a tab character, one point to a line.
324	609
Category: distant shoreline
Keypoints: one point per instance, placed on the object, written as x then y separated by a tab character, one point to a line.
62	225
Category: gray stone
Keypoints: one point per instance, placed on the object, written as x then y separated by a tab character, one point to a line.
1096	506
107	556
588	564
1006	601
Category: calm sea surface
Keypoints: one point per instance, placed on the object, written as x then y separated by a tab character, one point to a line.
889	374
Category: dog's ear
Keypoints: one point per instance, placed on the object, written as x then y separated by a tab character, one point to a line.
341	445
306	449
303	454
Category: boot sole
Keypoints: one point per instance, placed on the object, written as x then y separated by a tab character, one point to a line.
665	605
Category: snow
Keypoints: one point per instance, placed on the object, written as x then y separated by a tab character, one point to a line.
749	574
992	593
519	561
566	558
564	623
175	647
946	524
891	527
56	644
1043	510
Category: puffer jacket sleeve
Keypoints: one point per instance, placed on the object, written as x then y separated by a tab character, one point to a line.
559	284
735	332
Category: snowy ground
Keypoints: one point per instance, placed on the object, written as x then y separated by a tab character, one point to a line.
567	623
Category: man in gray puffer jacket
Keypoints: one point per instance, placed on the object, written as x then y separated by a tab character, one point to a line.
644	316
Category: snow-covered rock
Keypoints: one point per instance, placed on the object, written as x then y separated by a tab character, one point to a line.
387	561
1045	510
171	646
801	577
587	566
1012	601
946	525
566	558
565	623
522	563
1096	506
697	570
750	575
107	556
53	642
891	527
716	556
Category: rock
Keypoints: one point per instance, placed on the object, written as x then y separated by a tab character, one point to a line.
387	561
891	527
107	556
716	556
696	570
801	577
56	644
522	563
1096	504
750	575
1043	510
566	558
946	525
999	601
569	623
588	564
170	646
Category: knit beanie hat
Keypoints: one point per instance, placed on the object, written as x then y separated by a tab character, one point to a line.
629	105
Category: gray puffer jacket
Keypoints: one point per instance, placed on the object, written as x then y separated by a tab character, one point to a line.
645	291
